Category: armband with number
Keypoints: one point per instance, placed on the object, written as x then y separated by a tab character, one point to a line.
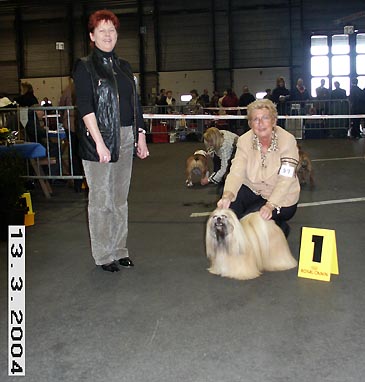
288	167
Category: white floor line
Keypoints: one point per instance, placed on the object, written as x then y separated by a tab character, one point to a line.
300	205
330	159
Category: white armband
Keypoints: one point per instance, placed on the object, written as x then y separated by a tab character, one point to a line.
288	167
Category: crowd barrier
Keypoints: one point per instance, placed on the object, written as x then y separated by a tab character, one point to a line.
164	124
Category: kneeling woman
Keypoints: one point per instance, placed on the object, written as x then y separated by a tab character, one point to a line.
262	176
221	145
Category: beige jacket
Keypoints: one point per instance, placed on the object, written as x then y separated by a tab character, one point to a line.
272	175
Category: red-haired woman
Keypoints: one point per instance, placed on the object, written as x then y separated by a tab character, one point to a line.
111	126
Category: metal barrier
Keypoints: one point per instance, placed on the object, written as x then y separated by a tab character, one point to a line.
50	126
317	126
44	125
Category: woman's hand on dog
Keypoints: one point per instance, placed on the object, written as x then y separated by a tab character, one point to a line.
204	181
224	203
266	212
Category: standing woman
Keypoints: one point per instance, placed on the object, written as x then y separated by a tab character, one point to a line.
263	172
111	126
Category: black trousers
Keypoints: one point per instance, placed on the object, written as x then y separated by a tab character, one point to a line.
247	202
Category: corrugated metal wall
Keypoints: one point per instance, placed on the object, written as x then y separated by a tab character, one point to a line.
218	35
8	60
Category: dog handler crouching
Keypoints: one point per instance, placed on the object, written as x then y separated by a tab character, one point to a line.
221	145
111	123
262	175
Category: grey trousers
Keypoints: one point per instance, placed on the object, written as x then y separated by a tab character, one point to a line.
108	202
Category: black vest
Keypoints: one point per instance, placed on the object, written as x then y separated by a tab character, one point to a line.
106	105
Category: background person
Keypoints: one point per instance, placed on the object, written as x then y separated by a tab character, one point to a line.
231	100
27	97
262	176
280	96
110	124
221	145
245	99
357	106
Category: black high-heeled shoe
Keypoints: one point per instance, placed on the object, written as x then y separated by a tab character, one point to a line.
112	267
126	262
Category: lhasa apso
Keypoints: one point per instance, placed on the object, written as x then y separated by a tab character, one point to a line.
244	249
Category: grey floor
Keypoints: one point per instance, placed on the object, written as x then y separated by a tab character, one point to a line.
168	319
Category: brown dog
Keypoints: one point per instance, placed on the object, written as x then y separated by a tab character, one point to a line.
196	167
304	168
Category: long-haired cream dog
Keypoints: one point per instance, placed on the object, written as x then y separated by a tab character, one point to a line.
244	249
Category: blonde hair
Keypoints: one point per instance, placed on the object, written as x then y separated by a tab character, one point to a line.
262	104
213	138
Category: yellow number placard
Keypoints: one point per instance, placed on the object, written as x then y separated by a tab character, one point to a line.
318	254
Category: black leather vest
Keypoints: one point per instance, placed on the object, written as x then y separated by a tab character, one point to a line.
106	105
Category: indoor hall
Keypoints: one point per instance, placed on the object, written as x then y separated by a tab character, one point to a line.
168	318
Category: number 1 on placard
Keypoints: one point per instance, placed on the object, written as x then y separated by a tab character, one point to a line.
318	246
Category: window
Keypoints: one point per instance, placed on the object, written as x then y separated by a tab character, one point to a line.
360	64
340	44
319	66
319	45
360	43
338	57
341	65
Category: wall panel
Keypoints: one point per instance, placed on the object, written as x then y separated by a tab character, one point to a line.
185	42
8	63
257	41
41	58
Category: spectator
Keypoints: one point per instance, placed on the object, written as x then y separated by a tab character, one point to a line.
338	93
357	106
268	94
161	101
245	99
27	97
214	100
280	96
300	92
161	97
323	94
170	102
204	98
231	100
194	104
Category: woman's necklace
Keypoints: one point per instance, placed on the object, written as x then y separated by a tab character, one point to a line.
264	149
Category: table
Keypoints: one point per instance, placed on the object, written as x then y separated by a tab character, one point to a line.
26	150
32	151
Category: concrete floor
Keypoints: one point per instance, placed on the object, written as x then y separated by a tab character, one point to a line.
168	319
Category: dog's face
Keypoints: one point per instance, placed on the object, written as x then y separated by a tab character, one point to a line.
220	224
